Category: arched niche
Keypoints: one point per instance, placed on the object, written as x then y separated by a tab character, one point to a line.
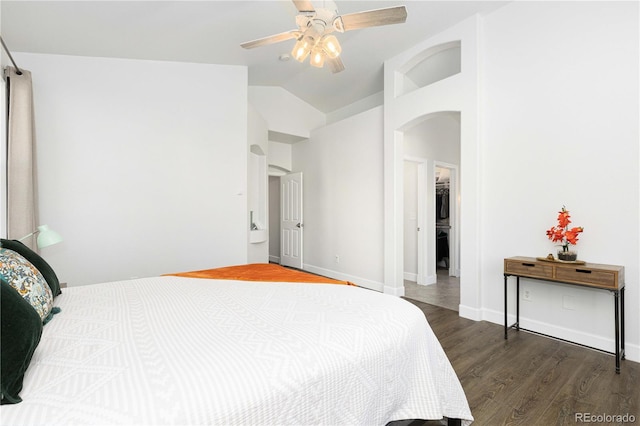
275	170
430	66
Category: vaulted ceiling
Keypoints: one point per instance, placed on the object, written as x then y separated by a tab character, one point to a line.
211	32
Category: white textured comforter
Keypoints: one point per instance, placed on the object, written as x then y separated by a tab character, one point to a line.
185	351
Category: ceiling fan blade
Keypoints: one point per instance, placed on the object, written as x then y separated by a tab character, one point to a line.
335	64
374	18
303	5
276	38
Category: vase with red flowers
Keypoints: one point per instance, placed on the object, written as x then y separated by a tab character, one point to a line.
565	236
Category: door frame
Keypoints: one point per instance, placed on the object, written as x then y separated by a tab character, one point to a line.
423	247
426	219
454	214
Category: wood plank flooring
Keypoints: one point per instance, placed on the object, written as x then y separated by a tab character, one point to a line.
532	380
445	292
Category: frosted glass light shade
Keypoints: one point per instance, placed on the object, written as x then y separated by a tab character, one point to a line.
301	49
317	58
331	46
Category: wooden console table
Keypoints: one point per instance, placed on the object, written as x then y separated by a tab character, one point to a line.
591	275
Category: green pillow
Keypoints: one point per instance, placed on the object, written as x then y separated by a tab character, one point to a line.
20	331
36	260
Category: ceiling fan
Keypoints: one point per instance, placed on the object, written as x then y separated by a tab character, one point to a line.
315	26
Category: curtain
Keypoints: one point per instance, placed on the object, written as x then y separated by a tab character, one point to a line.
22	195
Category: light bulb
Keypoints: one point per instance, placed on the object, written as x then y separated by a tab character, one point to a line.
331	46
317	58
301	49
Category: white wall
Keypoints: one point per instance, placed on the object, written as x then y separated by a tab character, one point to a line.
410	202
257	187
4	61
342	167
361	105
436	138
284	112
142	165
560	120
280	155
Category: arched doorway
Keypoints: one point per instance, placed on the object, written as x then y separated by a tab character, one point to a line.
431	217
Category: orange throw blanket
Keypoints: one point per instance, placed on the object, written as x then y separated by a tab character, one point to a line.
260	272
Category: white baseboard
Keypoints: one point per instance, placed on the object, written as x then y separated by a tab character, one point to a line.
604	343
394	291
430	279
469	313
359	281
274	259
632	353
427	279
411	276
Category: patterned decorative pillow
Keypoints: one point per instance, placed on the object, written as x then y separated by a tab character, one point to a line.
36	260
27	280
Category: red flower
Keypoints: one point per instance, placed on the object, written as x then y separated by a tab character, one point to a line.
572	235
562	233
563	218
555	234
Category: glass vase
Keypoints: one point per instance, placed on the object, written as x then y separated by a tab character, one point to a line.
567	255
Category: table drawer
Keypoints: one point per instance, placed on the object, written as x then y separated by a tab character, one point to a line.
587	276
528	269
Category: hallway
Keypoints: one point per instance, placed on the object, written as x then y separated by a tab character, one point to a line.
445	293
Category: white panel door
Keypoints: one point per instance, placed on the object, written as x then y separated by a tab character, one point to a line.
291	226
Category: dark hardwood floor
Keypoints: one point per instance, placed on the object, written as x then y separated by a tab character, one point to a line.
533	380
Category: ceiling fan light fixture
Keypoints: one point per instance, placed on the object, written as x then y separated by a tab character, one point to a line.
313	35
301	49
331	46
317	58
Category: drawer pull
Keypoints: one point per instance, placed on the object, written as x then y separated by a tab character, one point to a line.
529	264
584	271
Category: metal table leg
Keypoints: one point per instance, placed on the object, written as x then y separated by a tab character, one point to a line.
506	326
622	322
616	301
518	303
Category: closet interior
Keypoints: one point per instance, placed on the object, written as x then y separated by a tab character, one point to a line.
442	221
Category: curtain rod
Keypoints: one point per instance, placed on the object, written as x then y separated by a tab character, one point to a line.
6	49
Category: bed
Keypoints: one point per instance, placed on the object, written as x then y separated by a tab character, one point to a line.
184	350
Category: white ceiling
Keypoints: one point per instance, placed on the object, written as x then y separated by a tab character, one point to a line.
211	32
